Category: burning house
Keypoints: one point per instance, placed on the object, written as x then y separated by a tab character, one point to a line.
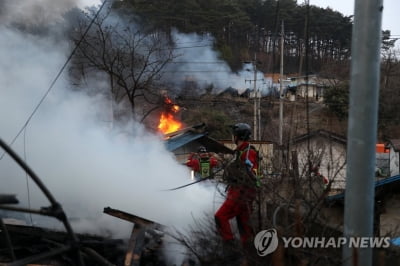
168	122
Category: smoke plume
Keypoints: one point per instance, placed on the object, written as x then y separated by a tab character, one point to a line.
197	61
71	146
38	12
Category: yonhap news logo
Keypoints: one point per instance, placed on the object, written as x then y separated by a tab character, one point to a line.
266	242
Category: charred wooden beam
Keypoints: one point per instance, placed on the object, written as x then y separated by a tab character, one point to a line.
8	199
137	220
136	240
97	257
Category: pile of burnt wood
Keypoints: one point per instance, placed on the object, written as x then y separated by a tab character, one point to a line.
22	245
29	245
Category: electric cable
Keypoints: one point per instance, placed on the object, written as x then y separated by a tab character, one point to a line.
27	179
57	76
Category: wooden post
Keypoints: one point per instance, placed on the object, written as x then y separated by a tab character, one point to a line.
135	246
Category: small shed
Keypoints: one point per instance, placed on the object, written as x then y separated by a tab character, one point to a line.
186	141
323	148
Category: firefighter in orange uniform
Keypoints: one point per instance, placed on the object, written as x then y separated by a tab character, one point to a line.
240	176
202	163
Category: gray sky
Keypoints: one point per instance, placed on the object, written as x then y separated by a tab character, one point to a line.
390	19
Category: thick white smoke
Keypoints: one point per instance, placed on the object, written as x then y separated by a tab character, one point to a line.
198	62
39	12
69	143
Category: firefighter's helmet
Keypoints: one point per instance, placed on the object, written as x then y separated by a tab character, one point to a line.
242	131
201	149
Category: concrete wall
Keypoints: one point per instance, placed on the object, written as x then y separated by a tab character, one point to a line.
332	158
394	162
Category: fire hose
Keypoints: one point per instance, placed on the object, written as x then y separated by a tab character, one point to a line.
249	172
197	181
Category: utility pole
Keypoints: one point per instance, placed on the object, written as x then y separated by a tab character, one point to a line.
256	95
362	129
281	89
256	120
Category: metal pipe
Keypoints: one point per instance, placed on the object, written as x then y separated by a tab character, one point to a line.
362	128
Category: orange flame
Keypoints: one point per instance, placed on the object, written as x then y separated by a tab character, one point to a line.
168	123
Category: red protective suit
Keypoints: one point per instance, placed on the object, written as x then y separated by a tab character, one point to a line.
197	160
238	202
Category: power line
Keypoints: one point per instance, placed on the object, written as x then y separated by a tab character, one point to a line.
27	180
197	62
57	77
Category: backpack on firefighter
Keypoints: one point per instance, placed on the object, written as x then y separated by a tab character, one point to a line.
205	167
238	172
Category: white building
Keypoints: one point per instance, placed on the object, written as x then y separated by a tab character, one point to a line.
326	149
394	149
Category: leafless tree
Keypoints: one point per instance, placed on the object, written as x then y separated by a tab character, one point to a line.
292	201
132	59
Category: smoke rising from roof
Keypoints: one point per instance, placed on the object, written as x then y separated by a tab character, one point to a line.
198	62
84	163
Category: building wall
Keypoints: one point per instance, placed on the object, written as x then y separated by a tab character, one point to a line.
182	153
394	162
332	158
310	88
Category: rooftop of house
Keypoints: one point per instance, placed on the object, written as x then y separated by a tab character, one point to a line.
382	187
320	133
395	143
197	133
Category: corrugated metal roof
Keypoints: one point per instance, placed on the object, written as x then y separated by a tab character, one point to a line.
378	185
322	133
175	142
181	140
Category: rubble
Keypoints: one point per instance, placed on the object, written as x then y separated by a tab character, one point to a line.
22	244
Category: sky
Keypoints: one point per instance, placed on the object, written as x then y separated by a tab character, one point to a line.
390	20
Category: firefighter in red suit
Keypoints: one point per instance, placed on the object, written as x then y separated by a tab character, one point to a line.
240	175
202	163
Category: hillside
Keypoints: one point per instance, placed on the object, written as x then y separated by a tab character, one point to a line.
219	111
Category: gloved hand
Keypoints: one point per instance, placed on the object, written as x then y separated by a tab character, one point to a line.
248	163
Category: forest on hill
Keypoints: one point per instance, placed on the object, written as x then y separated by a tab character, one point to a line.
141	47
242	28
